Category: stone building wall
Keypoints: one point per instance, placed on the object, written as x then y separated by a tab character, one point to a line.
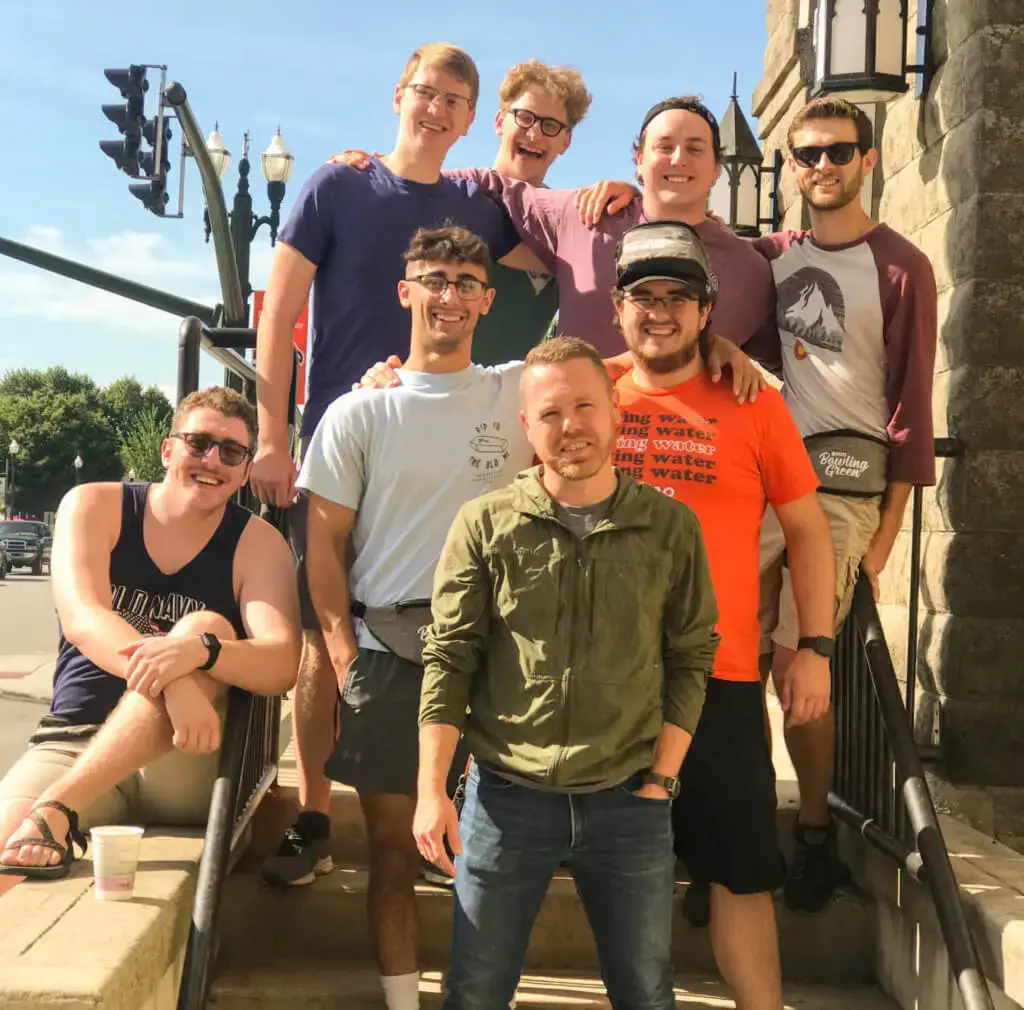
951	179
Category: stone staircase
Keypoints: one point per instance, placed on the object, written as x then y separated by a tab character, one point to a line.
310	946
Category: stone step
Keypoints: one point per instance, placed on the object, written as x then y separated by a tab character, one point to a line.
318	987
325	922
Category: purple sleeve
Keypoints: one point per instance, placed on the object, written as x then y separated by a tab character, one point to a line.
537	213
308	228
910	321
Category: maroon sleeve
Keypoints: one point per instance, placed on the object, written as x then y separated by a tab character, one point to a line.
910	332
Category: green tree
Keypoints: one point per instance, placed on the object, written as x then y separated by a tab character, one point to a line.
140	445
54	415
126	402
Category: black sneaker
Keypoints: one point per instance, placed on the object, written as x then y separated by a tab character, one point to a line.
816	872
304	854
697	904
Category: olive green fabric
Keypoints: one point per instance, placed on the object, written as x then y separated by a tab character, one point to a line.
562	657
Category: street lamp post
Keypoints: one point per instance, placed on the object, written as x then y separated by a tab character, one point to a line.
12	451
78	468
276	163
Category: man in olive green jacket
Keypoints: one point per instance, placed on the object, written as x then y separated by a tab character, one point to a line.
573	637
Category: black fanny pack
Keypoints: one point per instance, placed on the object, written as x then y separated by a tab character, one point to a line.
400	628
849	462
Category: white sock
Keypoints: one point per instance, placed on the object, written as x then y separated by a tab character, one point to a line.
402	992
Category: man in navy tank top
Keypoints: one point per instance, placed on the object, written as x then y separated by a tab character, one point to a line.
167	594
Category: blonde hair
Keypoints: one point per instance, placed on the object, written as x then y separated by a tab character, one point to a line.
223	400
446	57
559	350
565	83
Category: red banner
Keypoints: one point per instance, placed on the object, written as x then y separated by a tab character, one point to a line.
300	338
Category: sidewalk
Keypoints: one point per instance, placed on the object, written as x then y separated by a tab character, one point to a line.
27	675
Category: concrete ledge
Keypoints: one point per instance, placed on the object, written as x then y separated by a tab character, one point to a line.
61	947
912	961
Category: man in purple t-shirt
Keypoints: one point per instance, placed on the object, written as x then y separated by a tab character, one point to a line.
678	158
345	238
857	321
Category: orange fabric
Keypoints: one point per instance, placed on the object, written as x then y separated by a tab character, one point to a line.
725	461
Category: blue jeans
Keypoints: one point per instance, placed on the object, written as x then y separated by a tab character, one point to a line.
619	847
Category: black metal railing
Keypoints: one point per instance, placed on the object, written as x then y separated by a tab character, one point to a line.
879	785
249	749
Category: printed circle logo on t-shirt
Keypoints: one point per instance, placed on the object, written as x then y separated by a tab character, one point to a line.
488	450
811	307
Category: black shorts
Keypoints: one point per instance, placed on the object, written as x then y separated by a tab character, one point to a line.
298	519
725	814
378	743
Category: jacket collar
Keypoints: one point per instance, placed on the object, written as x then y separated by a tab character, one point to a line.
629	509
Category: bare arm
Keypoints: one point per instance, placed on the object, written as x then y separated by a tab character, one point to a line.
669	752
267	661
330	525
291	275
524	258
894	505
436	818
86	531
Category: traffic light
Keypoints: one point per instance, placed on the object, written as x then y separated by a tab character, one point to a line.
128	118
153	194
154	164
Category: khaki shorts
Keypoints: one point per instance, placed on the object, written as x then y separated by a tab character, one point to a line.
853	522
173	790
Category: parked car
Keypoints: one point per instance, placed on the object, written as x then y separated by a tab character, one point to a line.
26	544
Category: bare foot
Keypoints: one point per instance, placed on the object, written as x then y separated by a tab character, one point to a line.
36	855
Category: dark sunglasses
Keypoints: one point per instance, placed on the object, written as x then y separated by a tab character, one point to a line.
200	444
549	126
839	154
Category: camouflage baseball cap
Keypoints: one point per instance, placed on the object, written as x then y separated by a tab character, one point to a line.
664	250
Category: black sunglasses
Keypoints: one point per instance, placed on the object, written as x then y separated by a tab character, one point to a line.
549	126
200	444
839	154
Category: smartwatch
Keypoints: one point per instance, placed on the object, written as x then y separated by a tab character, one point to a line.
212	643
818	643
669	784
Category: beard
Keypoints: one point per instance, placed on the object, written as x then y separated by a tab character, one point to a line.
583	469
664	364
844	195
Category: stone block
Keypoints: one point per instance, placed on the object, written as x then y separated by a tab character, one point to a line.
984	407
982	323
981	491
981	742
972	658
781	13
778	110
779	57
973	574
955	22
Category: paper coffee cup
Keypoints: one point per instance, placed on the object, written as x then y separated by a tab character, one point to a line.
115	857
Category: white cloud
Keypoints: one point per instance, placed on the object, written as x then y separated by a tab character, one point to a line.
29	293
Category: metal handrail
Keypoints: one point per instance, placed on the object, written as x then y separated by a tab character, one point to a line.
887	768
247	765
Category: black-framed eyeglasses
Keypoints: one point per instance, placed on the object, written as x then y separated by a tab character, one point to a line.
428	95
549	126
840	153
672	302
200	444
468	288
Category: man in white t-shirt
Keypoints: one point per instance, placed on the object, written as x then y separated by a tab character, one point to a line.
390	470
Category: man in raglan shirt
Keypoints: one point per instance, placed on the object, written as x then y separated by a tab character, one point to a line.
345	238
857	320
689	438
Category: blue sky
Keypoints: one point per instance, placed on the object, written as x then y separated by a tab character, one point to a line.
324	72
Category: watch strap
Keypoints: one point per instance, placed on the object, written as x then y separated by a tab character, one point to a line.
821	644
667	782
212	643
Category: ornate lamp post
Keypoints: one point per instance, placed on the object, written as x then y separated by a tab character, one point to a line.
276	163
12	452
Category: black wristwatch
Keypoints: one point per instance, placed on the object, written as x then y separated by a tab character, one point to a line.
669	784
212	643
818	643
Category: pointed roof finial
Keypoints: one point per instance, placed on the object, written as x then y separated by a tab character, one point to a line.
734	94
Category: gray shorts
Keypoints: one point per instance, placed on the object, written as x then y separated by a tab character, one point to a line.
378	743
297	522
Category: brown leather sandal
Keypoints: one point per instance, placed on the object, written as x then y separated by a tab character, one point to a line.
46	840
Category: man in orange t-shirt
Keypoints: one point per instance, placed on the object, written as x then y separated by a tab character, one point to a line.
687	436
